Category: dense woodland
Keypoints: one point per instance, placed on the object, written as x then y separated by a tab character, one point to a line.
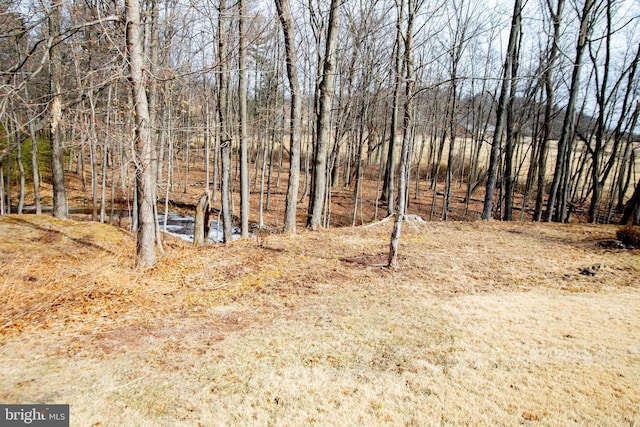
529	105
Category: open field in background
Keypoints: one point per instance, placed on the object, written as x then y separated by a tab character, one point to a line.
484	324
341	210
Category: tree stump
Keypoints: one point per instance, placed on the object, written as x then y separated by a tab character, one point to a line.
201	226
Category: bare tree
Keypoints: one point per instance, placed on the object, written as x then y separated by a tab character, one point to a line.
225	134
496	143
407	136
388	188
568	126
556	18
145	179
242	110
286	20
327	89
606	98
60	209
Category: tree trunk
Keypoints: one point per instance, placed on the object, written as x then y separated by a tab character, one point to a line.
568	125
407	137
327	89
242	110
60	209
288	25
492	175
145	180
549	107
627	162
22	177
35	169
225	135
632	209
508	175
388	187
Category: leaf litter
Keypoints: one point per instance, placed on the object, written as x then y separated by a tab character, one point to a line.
485	324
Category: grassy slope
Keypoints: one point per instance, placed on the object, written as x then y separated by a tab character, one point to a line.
485	324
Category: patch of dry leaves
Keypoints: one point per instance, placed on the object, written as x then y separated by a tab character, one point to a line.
483	324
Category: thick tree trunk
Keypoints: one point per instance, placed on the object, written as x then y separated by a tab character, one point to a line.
145	179
60	209
327	89
225	135
511	138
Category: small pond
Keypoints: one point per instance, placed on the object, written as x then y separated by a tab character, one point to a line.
182	226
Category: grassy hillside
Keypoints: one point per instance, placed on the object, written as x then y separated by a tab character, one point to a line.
484	324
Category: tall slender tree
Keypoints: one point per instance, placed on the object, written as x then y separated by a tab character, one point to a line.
569	122
287	22
496	143
407	135
242	110
388	188
225	133
556	17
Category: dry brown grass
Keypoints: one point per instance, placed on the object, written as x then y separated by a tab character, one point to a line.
484	324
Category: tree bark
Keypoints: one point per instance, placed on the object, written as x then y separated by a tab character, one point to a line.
568	125
407	137
201	224
22	178
549	107
242	110
60	209
145	179
511	137
492	175
225	135
286	20
35	169
388	187
327	89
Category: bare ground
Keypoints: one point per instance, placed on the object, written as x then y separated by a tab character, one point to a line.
484	324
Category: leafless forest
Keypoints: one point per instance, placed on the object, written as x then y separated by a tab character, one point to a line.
530	108
323	131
